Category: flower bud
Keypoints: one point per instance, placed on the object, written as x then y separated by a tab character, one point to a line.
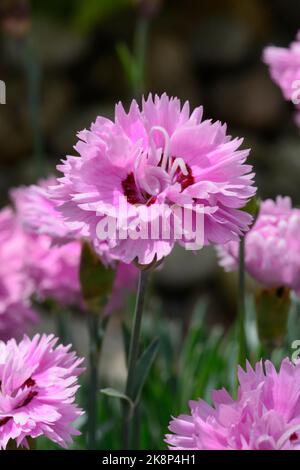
272	308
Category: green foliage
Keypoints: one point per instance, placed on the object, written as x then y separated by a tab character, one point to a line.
185	368
79	14
272	306
143	368
95	278
89	14
252	207
111	392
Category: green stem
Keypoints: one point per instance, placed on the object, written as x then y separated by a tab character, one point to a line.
133	353
95	345
136	425
140	53
62	326
33	73
242	341
272	313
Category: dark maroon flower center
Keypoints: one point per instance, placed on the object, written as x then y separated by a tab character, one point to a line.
28	399
185	180
294	437
132	193
29	383
134	196
4	421
130	190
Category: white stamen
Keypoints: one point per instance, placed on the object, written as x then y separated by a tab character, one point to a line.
166	164
137	164
286	435
165	158
178	163
148	188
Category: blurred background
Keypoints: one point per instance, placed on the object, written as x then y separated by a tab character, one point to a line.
66	61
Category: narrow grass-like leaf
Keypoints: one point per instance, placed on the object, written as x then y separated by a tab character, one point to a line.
111	392
143	367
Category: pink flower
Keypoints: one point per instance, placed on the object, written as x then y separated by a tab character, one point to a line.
39	214
265	416
54	247
272	246
16	288
152	163
53	269
38	383
285	70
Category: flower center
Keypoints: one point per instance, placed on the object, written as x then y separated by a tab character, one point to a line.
28	399
29	383
143	184
131	191
185	180
134	196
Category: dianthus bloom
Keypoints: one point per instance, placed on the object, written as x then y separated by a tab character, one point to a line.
54	269
54	250
265	416
39	214
149	165
272	246
284	66
16	288
38	383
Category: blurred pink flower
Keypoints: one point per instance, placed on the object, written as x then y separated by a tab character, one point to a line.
54	250
39	213
272	246
153	157
38	383
16	288
265	416
53	269
284	66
